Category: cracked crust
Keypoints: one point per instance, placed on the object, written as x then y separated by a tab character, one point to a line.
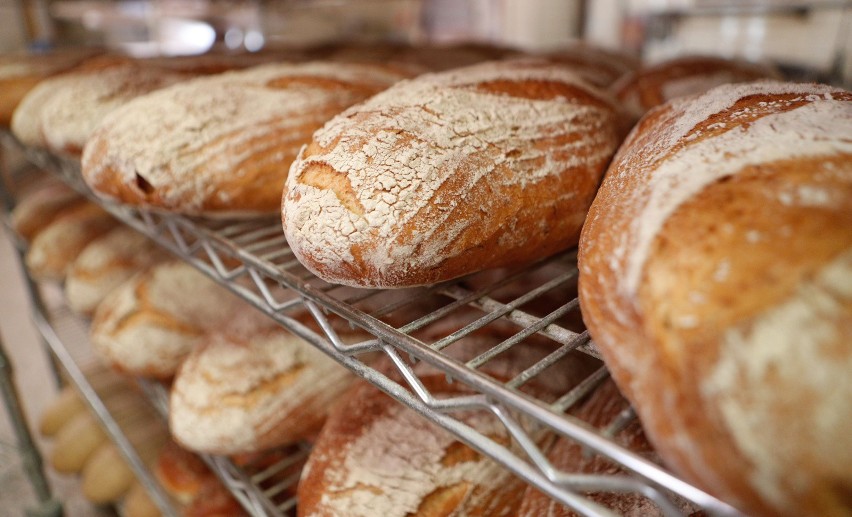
451	173
715	274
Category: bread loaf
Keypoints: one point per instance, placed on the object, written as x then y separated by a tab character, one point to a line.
596	65
450	173
76	442
61	112
214	500
20	73
222	145
105	263
181	473
653	85
39	208
376	457
715	274
149	324
60	411
54	248
138	503
252	386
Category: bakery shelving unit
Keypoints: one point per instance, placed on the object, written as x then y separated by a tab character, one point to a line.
252	259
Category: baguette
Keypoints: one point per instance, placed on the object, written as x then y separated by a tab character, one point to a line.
447	174
715	275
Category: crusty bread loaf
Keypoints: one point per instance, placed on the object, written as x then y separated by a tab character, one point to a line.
222	145
252	386
214	500
39	207
149	324
106	476
61	112
54	248
78	439
715	274
60	411
450	173
181	473
138	503
653	85
105	263
20	73
376	457
598	66
601	409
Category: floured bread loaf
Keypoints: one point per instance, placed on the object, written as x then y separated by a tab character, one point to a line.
450	173
61	112
150	323
716	280
105	263
222	145
653	85
20	73
598	66
56	246
181	473
601	409
252	386
374	457
38	208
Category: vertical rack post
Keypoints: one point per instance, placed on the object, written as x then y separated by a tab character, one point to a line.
30	456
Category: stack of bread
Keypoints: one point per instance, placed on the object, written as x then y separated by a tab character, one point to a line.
714	256
80	446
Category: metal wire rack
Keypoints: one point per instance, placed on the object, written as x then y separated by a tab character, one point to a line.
468	329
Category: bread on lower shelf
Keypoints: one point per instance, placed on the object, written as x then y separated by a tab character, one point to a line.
251	386
38	208
599	410
54	248
376	457
148	325
105	263
716	280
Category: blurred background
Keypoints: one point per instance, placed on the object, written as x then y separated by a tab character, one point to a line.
812	38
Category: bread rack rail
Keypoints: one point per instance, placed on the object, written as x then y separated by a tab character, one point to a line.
252	259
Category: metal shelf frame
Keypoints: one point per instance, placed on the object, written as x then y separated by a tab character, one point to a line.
251	258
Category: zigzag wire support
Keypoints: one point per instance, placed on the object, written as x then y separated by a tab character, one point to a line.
251	258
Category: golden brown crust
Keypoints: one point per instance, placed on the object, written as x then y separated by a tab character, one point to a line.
20	73
222	145
450	173
699	320
342	453
651	86
181	473
54	248
42	206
